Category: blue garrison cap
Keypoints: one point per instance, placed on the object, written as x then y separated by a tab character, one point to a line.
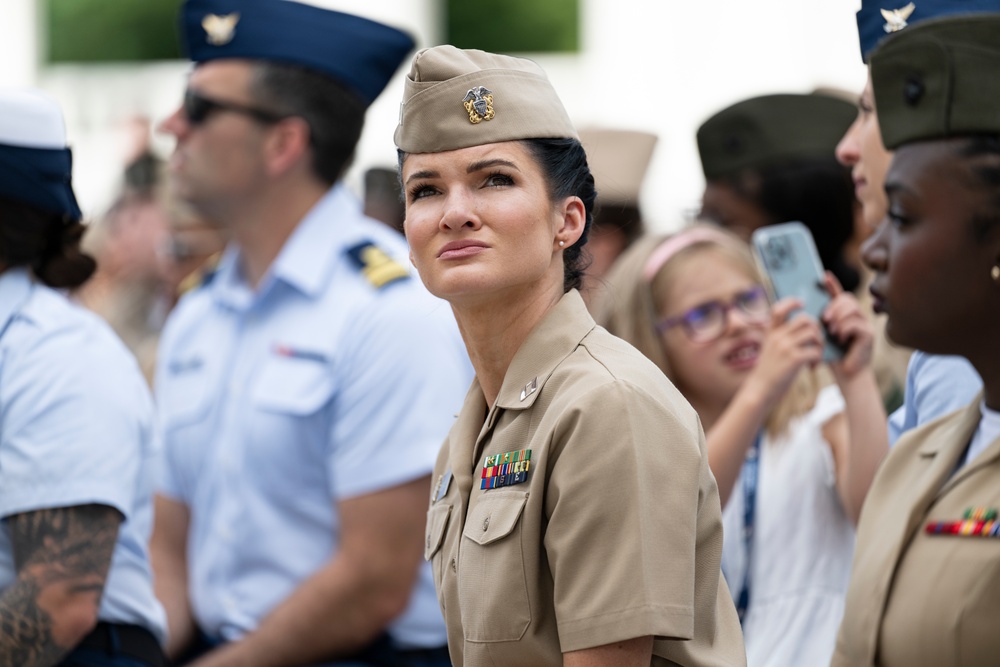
357	52
35	164
879	18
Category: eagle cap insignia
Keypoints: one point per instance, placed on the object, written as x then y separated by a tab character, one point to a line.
219	30
895	19
479	103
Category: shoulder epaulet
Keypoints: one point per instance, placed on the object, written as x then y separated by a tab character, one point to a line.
201	276
376	265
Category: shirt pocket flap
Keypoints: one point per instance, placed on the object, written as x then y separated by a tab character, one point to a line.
495	516
293	385
437	523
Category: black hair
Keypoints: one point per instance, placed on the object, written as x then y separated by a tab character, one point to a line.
819	193
335	114
564	163
984	151
48	243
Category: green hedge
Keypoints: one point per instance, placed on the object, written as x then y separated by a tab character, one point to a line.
111	30
514	25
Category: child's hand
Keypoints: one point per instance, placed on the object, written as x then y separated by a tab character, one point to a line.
790	344
848	325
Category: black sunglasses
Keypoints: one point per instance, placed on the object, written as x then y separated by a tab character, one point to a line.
197	109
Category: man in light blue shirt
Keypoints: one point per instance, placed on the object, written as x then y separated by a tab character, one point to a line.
305	390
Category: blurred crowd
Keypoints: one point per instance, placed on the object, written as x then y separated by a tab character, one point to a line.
236	422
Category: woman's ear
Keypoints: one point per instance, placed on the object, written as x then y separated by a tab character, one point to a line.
573	215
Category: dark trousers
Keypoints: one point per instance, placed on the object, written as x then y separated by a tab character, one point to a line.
380	653
116	645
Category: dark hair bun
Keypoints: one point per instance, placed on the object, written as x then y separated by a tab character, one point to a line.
62	263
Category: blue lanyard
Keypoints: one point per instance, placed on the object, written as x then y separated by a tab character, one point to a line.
750	472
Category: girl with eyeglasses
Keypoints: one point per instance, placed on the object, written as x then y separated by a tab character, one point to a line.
793	458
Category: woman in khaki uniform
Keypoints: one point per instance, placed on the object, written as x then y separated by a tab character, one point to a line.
574	520
925	588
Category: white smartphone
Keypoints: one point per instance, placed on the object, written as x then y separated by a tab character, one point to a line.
787	256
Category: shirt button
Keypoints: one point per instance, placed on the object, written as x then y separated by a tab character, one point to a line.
486	524
454	565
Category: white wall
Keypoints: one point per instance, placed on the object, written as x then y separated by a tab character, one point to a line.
658	65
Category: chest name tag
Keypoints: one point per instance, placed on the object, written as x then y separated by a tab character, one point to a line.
506	469
441	488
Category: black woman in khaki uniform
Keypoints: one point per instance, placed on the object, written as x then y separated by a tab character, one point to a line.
574	520
925	589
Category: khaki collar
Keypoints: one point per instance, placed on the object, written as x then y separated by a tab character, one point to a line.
548	344
959	430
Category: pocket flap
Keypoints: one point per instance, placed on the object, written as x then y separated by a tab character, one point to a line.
299	386
495	516
437	523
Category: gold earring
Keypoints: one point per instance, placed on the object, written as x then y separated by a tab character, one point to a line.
995	273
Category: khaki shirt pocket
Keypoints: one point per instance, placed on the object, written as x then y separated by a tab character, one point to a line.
492	588
437	523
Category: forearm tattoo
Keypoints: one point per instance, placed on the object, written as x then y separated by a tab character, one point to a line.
66	550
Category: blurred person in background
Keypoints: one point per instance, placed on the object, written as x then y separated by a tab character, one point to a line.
575	520
299	425
793	458
383	200
619	160
934	384
149	250
76	429
770	159
128	289
924	589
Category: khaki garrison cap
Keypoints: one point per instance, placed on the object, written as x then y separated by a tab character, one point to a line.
939	79
619	160
457	98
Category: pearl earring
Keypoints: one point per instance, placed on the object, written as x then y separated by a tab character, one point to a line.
995	268
995	273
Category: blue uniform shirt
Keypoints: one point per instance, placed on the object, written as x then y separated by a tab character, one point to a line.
277	403
935	386
76	428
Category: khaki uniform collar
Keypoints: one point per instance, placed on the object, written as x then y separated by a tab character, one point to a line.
956	429
554	339
966	427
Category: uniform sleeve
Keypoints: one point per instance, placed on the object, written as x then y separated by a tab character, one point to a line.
623	504
77	418
405	377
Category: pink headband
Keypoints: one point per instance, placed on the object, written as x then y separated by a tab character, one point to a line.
679	241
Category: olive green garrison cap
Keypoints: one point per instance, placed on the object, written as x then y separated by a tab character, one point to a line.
456	98
772	128
938	79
